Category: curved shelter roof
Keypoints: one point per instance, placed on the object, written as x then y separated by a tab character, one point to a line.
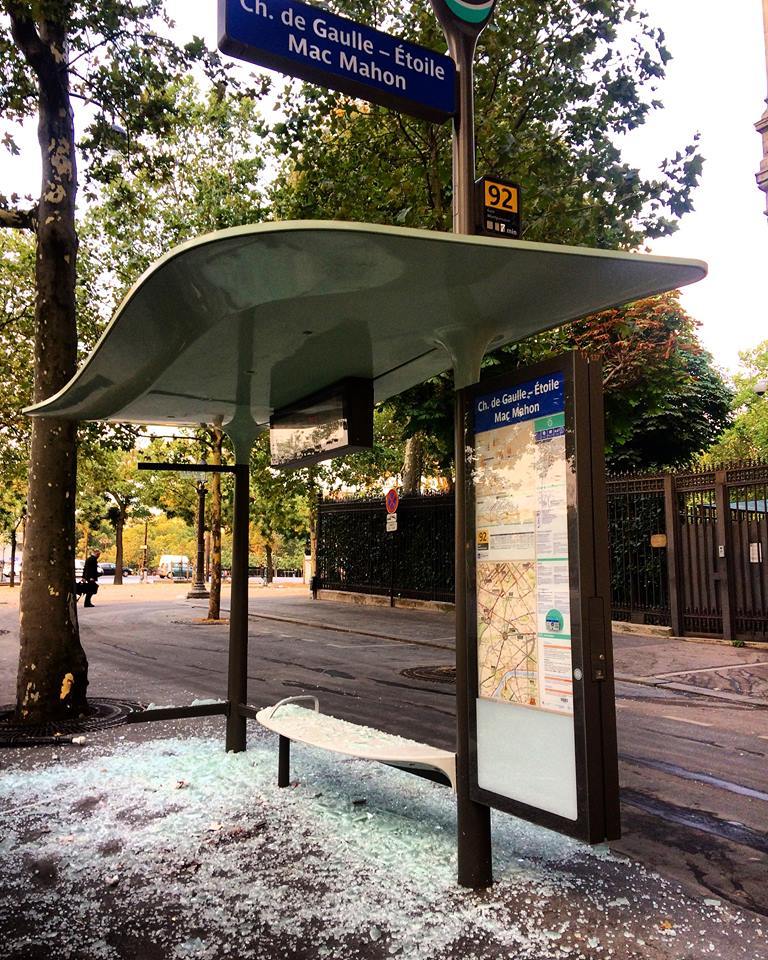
247	320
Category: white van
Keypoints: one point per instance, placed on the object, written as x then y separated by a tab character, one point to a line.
175	566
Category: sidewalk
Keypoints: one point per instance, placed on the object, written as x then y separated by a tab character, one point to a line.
156	844
151	842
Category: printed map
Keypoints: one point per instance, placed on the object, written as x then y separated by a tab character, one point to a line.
506	631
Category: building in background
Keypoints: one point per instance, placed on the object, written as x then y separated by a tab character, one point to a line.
762	124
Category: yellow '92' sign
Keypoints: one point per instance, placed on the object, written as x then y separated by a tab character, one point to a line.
501	196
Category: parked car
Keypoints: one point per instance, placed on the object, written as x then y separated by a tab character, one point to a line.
17	567
109	570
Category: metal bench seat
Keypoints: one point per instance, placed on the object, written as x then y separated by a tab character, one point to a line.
315	729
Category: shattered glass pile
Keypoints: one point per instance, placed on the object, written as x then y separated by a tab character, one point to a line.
174	849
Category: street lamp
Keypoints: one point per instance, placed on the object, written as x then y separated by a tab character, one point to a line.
198	587
762	124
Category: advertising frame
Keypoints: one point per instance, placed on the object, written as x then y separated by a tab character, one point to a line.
594	717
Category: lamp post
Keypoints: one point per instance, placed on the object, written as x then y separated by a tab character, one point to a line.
762	124
198	589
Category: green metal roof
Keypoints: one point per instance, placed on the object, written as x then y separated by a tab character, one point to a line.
250	319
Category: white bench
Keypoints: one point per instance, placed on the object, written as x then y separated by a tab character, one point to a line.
292	722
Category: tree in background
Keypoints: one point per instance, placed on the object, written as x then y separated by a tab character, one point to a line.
216	438
111	57
279	502
13	511
202	174
556	85
665	401
114	475
747	437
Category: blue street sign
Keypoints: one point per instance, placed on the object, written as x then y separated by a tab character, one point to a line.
329	50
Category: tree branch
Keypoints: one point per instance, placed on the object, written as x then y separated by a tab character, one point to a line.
18	219
28	40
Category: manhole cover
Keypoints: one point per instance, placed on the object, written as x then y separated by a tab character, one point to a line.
104	712
439	674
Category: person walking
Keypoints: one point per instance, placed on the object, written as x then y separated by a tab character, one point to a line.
91	577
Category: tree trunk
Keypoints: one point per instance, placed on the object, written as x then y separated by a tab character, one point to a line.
214	590
413	466
53	669
268	571
119	527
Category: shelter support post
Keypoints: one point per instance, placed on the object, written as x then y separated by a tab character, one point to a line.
473	819
237	684
283	761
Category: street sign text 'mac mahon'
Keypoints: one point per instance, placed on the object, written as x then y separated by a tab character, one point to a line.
323	48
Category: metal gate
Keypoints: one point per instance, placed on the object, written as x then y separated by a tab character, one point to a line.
691	550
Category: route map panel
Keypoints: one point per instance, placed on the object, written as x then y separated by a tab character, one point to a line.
523	600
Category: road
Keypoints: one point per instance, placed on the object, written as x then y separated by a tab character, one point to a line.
693	766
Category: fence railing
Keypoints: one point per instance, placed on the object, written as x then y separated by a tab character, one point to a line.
688	550
356	553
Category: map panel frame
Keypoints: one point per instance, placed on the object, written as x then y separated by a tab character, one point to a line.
594	722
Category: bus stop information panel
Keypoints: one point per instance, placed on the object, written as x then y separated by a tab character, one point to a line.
542	720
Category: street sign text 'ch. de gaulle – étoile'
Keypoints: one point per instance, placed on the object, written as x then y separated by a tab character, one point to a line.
321	47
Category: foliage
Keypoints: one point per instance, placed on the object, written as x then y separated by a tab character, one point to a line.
17	316
664	400
120	62
556	84
279	503
17	310
747	437
164	535
201	175
365	471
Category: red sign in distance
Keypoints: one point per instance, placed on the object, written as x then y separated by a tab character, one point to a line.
392	499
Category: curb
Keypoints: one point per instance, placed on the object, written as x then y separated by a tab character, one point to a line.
690	688
340	629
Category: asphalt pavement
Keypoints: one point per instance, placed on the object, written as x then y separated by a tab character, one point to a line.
692	716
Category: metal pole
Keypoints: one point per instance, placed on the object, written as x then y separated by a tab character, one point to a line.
475	868
473	819
283	761
462	49
145	549
198	587
237	686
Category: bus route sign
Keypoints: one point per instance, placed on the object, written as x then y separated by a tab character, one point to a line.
320	47
498	207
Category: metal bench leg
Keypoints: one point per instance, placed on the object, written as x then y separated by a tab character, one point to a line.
283	761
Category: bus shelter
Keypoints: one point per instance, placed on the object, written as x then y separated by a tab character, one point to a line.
235	325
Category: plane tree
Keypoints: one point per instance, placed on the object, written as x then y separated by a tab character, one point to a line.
113	62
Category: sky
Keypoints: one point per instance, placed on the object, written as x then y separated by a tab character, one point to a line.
715	85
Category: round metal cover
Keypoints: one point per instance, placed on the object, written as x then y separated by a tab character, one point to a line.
105	712
434	674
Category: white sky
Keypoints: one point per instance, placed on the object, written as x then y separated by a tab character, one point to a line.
715	85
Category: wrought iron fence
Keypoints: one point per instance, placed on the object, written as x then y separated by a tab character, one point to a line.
688	550
356	553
